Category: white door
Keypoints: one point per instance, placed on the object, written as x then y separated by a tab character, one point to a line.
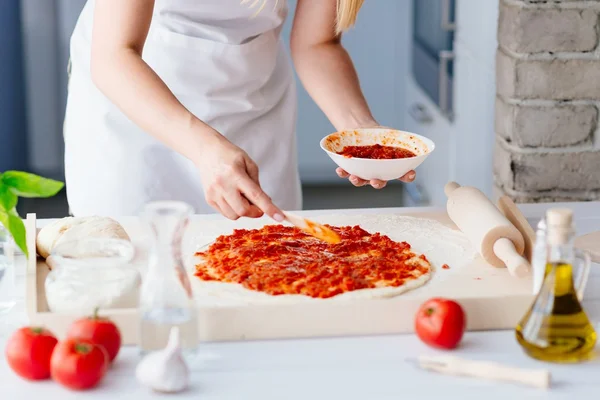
465	142
424	118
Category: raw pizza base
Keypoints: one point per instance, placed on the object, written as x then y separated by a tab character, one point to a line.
441	245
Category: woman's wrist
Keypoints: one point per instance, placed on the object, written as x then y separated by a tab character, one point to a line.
200	137
353	122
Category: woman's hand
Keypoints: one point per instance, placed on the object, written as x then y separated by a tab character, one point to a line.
376	183
230	181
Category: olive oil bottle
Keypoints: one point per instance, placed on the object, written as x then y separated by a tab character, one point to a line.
556	327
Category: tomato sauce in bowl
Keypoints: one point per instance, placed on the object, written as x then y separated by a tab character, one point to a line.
376	152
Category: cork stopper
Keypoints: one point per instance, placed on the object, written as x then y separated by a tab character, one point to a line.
559	217
559	222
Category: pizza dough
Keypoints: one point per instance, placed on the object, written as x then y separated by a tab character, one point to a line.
81	290
441	244
71	228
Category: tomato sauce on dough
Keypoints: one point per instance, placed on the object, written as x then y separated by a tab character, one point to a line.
279	260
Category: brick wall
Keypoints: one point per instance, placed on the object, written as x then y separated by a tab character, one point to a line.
548	100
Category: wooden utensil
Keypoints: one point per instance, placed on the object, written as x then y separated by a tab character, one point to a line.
539	378
516	217
313	228
589	242
498	241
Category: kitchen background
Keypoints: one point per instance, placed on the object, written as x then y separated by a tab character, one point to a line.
426	66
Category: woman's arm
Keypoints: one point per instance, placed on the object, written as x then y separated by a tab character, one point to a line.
229	176
327	72
324	66
119	33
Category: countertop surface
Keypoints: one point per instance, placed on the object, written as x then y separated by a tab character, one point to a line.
336	368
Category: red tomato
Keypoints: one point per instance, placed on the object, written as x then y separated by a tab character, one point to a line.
99	330
28	352
78	363
440	323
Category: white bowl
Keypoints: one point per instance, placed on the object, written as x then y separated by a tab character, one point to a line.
385	170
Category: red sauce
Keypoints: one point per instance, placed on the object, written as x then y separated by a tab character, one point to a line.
445	266
278	260
376	151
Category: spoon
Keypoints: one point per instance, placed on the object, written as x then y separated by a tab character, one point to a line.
313	228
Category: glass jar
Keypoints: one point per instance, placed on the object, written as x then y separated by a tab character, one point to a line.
8	292
92	273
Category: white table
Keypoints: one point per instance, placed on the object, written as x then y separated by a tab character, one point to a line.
341	368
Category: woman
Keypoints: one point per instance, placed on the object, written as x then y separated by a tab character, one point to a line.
189	99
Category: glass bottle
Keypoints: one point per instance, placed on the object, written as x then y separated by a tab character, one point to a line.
8	295
556	327
166	298
539	256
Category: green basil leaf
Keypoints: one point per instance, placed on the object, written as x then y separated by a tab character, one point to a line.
8	200
16	227
25	184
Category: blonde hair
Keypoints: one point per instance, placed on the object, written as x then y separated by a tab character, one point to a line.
347	12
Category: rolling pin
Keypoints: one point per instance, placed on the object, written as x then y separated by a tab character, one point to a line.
538	378
497	240
589	243
516	217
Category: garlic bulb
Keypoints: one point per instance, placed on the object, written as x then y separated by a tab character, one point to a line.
165	370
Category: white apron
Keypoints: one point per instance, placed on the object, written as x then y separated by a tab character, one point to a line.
227	68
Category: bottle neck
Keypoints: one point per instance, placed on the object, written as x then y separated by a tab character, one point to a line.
167	221
165	254
560	240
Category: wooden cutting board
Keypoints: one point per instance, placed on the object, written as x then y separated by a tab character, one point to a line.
591	244
491	297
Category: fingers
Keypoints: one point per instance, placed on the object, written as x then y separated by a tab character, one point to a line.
341	173
356	181
254	211
409	177
255	194
377	184
225	209
242	208
240	205
252	170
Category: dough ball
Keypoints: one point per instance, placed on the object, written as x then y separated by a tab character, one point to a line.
71	228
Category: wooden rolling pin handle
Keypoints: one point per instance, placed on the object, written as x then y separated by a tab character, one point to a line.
450	187
516	264
487	370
